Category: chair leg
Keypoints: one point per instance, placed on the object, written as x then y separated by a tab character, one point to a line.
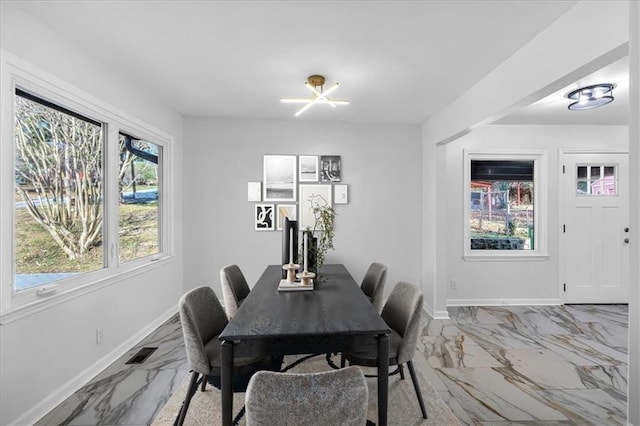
193	385
204	382
414	379
401	370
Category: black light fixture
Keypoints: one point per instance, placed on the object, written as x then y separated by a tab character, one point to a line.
591	96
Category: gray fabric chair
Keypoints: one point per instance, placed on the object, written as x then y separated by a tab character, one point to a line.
234	288
203	319
373	283
402	313
338	397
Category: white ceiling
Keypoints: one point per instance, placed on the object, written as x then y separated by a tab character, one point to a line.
397	61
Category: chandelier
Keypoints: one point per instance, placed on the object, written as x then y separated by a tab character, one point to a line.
315	83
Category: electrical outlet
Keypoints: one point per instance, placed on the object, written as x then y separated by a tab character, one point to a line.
453	284
98	336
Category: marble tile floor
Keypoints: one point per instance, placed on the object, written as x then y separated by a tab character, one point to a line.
554	365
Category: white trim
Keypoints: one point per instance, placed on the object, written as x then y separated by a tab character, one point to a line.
540	196
504	302
66	390
17	72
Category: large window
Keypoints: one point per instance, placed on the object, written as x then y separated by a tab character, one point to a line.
88	195
502	204
59	207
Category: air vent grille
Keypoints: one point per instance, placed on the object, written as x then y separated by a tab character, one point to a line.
141	356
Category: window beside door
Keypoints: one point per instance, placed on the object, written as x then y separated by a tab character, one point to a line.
502	204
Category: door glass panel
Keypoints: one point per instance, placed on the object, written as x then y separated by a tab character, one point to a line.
582	172
596	180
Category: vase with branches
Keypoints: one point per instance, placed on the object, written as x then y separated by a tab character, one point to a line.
323	231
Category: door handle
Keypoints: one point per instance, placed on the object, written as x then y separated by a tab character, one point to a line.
626	240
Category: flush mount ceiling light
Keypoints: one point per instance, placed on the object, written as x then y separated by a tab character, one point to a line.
591	96
315	83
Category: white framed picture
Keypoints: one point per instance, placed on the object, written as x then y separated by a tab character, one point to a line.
311	196
264	217
280	178
308	165
282	211
254	191
341	194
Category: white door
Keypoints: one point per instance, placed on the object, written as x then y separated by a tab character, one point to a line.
595	233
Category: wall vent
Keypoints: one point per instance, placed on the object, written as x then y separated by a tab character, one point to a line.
141	356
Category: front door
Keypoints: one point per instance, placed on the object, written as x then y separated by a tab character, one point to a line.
594	228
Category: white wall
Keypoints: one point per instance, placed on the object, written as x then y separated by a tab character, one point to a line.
382	222
491	282
634	162
47	355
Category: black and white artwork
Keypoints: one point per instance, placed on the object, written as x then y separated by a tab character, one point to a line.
264	217
254	191
312	196
308	168
341	194
280	178
330	168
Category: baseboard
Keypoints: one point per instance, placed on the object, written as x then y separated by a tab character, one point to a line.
436	314
504	302
66	390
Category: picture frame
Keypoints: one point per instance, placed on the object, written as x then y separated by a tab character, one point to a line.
308	168
264	217
341	194
280	178
285	210
309	193
254	191
330	168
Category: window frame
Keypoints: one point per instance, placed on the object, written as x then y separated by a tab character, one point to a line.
540	197
17	73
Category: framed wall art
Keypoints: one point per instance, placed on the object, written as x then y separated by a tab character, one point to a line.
282	211
310	196
280	178
264	217
308	168
254	191
341	194
330	168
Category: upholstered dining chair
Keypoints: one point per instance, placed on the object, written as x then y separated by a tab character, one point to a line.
373	283
203	319
336	397
234	288
402	313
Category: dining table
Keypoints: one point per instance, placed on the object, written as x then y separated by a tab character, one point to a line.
335	316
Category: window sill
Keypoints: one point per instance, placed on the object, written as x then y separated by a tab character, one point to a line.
20	311
503	257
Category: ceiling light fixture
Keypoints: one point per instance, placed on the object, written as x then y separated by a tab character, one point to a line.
315	83
591	96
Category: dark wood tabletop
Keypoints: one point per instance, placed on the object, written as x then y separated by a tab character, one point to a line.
336	307
335	316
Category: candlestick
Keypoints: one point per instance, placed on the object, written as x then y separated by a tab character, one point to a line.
305	252
290	245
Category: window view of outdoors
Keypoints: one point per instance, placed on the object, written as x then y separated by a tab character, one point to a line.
139	233
58	192
502	209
